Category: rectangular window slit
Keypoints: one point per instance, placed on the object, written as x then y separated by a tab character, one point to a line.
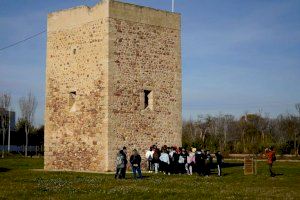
72	98
148	101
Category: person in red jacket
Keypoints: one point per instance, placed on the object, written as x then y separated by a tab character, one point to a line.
270	153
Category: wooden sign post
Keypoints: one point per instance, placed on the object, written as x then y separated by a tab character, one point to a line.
249	166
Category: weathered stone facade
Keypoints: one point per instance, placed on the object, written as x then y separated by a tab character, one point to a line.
113	79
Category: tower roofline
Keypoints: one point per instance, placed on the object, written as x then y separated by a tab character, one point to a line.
90	8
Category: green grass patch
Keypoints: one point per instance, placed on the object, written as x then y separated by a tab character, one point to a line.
18	181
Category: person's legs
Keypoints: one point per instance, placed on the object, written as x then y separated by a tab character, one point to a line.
166	168
219	170
271	170
134	171
123	172
170	168
206	168
190	169
138	169
182	168
117	172
149	166
156	167
168	171
162	167
198	168
186	168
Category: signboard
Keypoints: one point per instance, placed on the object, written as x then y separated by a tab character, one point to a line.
249	166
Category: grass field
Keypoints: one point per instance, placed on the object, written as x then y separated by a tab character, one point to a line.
18	181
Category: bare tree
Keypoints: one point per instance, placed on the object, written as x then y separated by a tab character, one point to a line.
28	106
5	115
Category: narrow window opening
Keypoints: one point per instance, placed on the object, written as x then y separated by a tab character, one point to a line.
148	99
72	98
74	51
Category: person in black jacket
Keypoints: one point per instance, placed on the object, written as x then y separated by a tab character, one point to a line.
198	160
208	162
219	158
123	170
135	161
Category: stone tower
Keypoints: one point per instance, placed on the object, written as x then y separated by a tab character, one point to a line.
113	79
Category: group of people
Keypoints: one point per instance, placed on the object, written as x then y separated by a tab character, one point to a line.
169	160
173	160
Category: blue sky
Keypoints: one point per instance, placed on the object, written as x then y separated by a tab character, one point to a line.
237	56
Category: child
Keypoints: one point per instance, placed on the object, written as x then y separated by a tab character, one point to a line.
190	162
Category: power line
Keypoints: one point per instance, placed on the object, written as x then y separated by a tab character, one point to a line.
28	38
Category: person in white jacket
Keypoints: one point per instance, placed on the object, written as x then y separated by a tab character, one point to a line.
165	162
149	157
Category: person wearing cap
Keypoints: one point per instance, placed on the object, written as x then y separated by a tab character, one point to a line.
135	161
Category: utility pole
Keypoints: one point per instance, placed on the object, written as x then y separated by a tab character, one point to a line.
8	139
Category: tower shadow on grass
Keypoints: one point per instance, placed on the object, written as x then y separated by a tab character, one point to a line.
3	169
227	165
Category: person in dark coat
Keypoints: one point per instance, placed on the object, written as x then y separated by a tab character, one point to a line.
172	160
219	158
135	161
176	161
198	156
124	153
155	159
201	162
208	161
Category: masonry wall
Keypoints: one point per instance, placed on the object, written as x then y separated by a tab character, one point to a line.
144	54
109	54
77	60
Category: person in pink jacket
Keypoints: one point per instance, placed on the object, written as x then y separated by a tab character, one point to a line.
190	162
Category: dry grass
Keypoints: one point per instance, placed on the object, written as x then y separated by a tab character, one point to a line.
19	182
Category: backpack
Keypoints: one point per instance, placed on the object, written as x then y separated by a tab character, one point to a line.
149	158
155	156
181	159
120	161
273	157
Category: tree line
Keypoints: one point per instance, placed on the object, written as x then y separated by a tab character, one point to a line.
27	105
250	133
